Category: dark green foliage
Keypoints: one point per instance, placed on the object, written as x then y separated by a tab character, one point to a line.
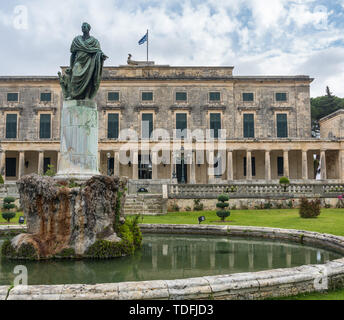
198	206
1	179
26	251
268	205
9	200
222	204
72	184
130	231
309	209
118	211
8	215
66	253
7	249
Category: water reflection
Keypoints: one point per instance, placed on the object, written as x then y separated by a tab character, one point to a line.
173	257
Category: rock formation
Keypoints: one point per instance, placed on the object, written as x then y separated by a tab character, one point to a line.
69	220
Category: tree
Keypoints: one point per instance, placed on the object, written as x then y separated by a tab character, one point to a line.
222	205
7	207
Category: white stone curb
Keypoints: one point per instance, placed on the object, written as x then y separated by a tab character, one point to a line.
248	286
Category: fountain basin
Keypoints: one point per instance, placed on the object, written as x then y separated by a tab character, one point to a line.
248	285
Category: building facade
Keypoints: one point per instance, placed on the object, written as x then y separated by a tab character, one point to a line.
160	119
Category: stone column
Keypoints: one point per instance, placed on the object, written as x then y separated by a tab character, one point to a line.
211	177
249	165
99	161
154	165
286	163
116	164
323	165
21	164
267	165
58	161
135	165
3	163
193	168
173	169
341	165
304	165
230	173
40	162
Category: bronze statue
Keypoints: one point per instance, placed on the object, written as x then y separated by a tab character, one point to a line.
82	80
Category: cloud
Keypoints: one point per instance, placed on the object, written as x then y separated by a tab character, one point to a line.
258	37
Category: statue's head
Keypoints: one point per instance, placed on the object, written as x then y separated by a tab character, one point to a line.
86	27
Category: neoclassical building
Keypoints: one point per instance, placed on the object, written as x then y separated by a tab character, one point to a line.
262	124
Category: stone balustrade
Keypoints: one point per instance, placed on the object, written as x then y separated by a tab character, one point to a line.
242	191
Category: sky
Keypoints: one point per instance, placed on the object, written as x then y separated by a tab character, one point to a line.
257	37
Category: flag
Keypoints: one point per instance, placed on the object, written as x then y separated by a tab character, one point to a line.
144	39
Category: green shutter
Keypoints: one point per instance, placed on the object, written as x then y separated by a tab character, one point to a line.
46	96
147	96
12	97
281	96
280	166
247	96
215	124
113	125
248	126
282	126
214	96
11	126
11	167
113	96
147	124
181	96
45	126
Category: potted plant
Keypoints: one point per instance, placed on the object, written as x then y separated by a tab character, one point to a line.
284	181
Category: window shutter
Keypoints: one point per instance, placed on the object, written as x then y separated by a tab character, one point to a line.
11	126
282	126
215	124
45	126
181	124
248	126
113	125
147	123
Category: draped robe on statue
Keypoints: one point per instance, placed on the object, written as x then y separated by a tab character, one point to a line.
87	66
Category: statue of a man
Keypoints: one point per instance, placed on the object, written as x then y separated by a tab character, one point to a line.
86	65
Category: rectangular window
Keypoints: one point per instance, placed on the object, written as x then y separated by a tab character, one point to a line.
181	125
215	124
113	125
280	167
146	125
11	167
281	96
147	96
11	126
45	126
45	96
13	97
253	166
282	125
214	96
249	125
181	96
113	96
46	164
247	96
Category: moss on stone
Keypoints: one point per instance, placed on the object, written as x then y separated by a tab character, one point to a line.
66	253
103	249
7	250
26	251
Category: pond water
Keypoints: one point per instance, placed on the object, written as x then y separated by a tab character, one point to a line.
172	257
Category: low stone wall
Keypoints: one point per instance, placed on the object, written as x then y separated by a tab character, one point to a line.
249	286
242	204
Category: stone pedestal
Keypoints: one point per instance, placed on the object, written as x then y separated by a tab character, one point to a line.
79	140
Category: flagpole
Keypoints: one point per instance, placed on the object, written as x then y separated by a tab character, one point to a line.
147	44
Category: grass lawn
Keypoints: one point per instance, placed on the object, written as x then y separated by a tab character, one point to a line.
330	221
15	220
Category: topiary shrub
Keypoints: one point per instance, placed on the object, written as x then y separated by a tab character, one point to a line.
8	206
309	209
284	181
223	204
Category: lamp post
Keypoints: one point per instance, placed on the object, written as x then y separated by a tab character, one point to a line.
182	162
108	164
